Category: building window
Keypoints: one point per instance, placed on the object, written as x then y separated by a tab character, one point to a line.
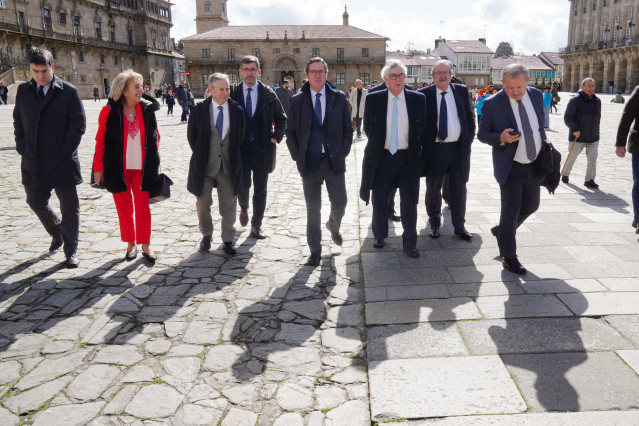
21	19
69	77
296	50
316	52
223	9
207	6
132	62
256	52
3	5
130	34
234	78
231	55
366	79
276	50
102	59
83	78
53	53
46	13
81	56
340	55
76	26
115	60
206	53
470	62
205	79
98	30
413	72
364	52
62	18
340	78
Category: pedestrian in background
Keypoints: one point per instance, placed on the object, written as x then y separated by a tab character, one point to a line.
583	116
547	106
127	160
49	122
182	98
4	91
170	102
284	94
358	102
96	93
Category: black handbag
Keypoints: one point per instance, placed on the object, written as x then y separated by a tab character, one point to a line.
162	189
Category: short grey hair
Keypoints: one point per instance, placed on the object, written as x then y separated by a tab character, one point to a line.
446	62
359	81
391	64
514	71
218	76
587	79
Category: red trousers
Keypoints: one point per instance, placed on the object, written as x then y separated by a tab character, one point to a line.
139	233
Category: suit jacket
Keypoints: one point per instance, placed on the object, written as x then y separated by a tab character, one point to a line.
375	128
198	133
272	112
362	103
497	115
466	115
339	127
630	115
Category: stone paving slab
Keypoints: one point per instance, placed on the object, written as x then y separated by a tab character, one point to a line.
410	311
439	387
590	304
589	418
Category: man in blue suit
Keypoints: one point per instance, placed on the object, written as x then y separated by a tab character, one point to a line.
450	130
513	124
394	121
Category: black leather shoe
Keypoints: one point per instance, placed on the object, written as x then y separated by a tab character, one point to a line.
564	179
378	243
205	244
465	235
73	261
314	259
494	230
513	265
335	236
243	217
151	258
412	252
434	232
130	256
395	218
56	242
634	223
591	184
229	249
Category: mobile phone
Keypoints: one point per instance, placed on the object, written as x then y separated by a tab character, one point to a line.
514	133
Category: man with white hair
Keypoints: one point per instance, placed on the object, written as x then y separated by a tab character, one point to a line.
358	102
395	125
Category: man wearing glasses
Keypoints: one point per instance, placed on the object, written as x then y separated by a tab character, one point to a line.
262	109
320	151
49	122
394	121
450	130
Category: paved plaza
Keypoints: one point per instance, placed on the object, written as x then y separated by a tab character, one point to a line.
369	336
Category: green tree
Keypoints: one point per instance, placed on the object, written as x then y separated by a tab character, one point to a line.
504	49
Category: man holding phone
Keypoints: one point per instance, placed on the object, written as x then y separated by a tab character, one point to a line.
513	124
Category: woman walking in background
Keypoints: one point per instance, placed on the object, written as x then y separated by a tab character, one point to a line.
127	159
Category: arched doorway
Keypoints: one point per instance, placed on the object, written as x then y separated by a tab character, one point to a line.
623	74
611	74
598	75
287	67
567	77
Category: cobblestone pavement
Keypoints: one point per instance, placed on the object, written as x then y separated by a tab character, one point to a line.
371	335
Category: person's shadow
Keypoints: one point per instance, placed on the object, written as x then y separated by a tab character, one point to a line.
599	198
548	347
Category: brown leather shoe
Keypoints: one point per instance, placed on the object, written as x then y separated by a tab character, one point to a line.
243	217
257	233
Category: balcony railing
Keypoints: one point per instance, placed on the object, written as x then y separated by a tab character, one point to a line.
601	45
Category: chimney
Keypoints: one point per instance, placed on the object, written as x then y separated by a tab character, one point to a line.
345	16
483	40
437	41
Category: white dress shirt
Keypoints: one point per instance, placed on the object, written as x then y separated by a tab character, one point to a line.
521	156
253	96
225	118
322	102
454	126
402	120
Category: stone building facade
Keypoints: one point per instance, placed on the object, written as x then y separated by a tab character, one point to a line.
472	59
283	50
603	43
92	40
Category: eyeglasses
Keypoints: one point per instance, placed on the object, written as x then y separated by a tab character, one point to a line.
438	73
317	72
396	76
250	70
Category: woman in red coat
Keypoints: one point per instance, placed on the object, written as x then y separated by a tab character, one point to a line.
127	160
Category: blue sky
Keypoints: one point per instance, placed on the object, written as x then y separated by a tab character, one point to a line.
531	26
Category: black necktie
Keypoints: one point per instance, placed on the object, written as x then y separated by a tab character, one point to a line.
249	103
443	118
41	92
531	150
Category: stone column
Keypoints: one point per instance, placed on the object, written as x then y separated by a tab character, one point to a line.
618	73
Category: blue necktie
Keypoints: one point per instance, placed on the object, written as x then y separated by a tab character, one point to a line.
443	118
531	150
318	108
249	103
394	136
219	123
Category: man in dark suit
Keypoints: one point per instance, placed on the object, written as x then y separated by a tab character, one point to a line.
513	124
216	133
49	122
394	121
262	109
450	130
320	151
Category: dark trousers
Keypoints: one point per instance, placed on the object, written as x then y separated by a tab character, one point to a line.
448	162
358	125
393	171
519	199
4	99
185	110
446	188
336	188
69	226
635	185
254	164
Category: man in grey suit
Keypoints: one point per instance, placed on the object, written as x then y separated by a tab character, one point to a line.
216	132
